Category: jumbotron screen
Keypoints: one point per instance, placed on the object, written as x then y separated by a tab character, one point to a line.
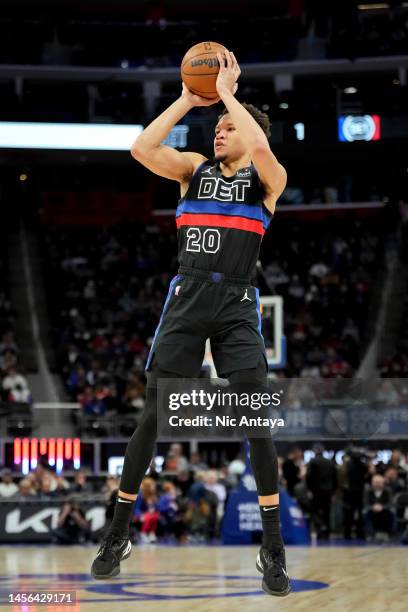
354	128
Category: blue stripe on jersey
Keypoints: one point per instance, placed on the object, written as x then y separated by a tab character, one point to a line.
233	209
166	303
258	309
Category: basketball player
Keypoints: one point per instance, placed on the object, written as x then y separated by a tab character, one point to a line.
225	207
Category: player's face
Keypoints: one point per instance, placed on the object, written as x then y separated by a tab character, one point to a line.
227	142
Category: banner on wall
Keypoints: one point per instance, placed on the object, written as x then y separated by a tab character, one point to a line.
34	521
242	521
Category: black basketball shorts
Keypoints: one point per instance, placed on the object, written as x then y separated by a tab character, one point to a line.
203	305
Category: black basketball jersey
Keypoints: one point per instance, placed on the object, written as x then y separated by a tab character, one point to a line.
221	221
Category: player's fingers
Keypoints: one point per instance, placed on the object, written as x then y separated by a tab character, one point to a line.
221	61
225	55
234	61
236	67
229	59
224	61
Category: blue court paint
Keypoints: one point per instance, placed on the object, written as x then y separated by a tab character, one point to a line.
150	587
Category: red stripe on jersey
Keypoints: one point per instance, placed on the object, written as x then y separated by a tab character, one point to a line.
241	223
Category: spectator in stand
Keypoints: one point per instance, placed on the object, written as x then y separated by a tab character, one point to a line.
202	508
20	395
133	402
40	473
172	513
302	495
135	345
26	490
110	490
393	482
8	488
197	489
71	357
175	460
111	485
15	384
7	360
8	344
171	463
167	506
397	461
378	515
404	464
92	405
275	276
213	484
48	488
96	374
62	486
228	480
395	366
80	485
196	462
236	469
355	472
321	481
387	394
146	511
184	481
292	469
319	270
76	381
73	528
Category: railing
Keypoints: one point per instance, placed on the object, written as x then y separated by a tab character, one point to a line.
263	70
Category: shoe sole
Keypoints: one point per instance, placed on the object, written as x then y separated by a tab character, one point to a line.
115	571
265	586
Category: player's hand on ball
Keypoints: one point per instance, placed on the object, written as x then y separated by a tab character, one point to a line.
228	74
197	100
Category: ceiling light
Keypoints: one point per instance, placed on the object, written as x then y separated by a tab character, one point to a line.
370	7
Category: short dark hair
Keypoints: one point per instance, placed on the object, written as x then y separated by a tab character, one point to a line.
261	118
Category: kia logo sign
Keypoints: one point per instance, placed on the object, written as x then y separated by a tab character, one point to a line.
359	127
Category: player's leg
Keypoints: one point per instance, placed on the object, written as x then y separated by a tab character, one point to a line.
264	462
116	545
177	351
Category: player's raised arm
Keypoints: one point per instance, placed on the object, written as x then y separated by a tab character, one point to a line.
271	173
161	159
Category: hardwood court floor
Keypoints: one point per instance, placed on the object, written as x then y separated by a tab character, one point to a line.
207	579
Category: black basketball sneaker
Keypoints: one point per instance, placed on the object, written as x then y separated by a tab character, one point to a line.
272	564
114	549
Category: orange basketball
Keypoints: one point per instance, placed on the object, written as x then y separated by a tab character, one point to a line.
199	68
